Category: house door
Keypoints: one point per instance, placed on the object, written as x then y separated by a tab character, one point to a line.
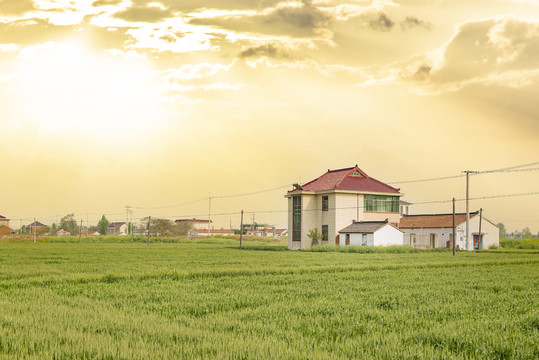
477	242
433	241
337	240
347	239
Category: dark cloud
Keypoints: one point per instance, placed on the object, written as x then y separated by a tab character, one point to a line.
15	7
266	50
106	2
422	73
412	22
286	20
308	16
143	13
382	23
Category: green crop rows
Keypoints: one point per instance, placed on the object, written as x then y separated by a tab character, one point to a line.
214	301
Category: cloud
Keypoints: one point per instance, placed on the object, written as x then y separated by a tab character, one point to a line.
106	2
411	22
486	50
266	50
16	7
149	14
293	19
381	23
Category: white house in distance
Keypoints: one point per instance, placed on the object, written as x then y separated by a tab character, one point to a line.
196	224
117	228
370	233
336	199
436	230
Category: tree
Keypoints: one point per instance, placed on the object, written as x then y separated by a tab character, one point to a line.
69	223
526	233
184	227
502	230
315	236
103	225
160	227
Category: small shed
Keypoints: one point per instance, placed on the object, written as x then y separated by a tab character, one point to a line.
370	233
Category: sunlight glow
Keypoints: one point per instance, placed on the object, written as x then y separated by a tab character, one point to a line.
65	88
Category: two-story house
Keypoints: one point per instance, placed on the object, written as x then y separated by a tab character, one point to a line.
335	200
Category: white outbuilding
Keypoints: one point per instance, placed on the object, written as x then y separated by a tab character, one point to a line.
428	231
370	233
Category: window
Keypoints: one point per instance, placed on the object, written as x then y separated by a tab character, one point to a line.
412	240
364	240
325	203
325	233
347	240
356	173
381	203
296	221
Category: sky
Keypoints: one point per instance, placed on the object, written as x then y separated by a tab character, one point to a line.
161	104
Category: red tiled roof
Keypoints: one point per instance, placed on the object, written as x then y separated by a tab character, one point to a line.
4	230
432	221
342	179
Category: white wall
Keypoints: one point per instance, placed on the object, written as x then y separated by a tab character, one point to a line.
388	235
490	234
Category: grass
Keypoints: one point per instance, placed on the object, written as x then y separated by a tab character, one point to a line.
530	244
207	299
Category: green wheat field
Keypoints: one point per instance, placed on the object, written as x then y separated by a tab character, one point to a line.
207	299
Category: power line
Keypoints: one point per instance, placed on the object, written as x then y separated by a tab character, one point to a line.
516	168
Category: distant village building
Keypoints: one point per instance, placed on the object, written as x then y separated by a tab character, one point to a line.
336	199
212	232
38	227
93	233
281	233
197	224
62	232
370	233
430	231
4	221
4	226
117	228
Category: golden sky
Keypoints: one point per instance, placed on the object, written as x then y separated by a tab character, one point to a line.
107	103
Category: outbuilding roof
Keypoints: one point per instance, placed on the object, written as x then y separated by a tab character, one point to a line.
433	220
37	224
364	227
352	178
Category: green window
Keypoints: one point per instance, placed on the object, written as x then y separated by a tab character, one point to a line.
325	232
325	203
296	221
381	203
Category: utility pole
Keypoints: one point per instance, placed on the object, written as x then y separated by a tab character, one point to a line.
479	239
241	227
467	209
127	212
209	214
87	225
454	238
34	230
149	219
80	230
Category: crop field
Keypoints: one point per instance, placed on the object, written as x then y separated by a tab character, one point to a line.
210	300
